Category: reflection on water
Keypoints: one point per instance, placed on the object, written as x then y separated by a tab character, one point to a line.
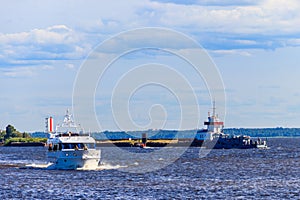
222	174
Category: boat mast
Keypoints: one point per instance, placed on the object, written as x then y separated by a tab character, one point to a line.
214	108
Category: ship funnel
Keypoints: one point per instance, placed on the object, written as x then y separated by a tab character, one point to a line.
49	124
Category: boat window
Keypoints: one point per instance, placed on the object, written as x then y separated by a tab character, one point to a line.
67	146
89	145
64	146
55	147
80	146
71	146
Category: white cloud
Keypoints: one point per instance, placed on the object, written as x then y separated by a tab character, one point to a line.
232	25
293	42
19	72
69	66
246	42
15	38
268	16
211	2
230	52
24	71
47	67
240	24
58	34
55	42
54	34
39	43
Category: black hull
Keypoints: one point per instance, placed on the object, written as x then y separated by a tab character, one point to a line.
26	144
229	143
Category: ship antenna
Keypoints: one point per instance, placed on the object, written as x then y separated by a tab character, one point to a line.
214	108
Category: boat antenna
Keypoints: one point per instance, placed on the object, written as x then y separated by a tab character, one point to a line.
214	108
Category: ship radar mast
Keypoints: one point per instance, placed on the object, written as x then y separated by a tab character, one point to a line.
214	108
68	120
68	124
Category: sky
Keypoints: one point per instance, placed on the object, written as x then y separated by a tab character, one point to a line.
255	46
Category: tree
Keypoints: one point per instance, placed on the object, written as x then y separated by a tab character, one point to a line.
2	134
12	132
25	135
9	131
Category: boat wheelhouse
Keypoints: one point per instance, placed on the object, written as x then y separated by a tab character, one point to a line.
214	127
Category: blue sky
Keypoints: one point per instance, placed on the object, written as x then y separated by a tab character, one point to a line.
255	45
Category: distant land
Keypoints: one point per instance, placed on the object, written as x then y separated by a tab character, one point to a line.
171	134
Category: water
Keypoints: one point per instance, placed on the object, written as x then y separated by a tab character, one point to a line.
222	174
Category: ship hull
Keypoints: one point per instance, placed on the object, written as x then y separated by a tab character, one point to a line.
74	159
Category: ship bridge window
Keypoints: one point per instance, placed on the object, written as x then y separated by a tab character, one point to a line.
89	145
55	147
72	146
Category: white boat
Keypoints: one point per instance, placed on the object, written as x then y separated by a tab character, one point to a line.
69	148
260	144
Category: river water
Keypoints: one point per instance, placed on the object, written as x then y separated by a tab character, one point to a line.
221	174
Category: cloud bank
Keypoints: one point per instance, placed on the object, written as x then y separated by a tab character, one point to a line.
255	43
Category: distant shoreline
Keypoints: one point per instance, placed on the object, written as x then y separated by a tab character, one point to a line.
25	144
132	143
183	134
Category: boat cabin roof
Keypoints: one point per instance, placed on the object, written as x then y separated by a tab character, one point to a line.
73	139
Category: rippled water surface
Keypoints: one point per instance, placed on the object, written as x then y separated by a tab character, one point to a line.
222	174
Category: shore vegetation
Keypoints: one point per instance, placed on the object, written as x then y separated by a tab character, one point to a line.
11	135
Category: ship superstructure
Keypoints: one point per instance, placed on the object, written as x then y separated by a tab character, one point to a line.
214	127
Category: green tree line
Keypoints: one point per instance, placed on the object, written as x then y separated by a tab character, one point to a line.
11	132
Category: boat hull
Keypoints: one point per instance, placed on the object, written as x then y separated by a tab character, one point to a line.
74	159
